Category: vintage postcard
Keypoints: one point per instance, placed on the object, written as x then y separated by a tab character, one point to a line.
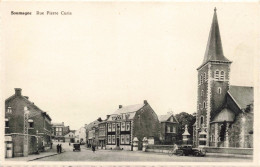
113	83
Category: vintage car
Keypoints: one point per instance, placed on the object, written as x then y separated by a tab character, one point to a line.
76	147
189	150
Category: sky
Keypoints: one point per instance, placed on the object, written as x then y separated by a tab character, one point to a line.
82	66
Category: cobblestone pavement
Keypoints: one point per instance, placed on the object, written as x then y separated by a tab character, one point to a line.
120	155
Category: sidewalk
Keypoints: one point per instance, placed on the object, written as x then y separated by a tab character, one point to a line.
32	157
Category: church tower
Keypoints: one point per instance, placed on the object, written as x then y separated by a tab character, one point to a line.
213	81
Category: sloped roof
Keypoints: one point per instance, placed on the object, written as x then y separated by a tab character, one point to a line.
164	118
57	124
130	108
242	95
214	50
225	115
92	124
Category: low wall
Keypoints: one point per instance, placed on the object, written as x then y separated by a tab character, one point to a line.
159	148
230	150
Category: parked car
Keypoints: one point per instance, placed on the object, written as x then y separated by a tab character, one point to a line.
189	150
76	147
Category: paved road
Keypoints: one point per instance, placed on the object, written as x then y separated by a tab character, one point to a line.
118	155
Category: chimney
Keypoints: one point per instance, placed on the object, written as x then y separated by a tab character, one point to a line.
108	116
18	91
120	106
145	102
26	97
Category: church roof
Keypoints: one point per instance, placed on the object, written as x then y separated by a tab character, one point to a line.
224	115
214	50
242	95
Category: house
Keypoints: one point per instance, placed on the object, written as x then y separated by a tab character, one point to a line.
80	135
39	124
70	137
92	133
168	128
59	130
224	112
128	122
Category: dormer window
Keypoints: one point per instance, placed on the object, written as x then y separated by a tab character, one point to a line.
9	109
222	75
217	74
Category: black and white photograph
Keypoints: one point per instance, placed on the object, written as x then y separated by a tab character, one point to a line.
130	83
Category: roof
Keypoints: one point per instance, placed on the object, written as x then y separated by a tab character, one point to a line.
164	118
224	115
57	124
214	50
92	124
242	95
130	108
31	103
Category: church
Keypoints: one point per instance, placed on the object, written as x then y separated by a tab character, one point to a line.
224	112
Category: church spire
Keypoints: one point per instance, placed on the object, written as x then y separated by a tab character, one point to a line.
214	50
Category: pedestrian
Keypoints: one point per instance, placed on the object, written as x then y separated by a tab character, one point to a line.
58	148
93	148
51	145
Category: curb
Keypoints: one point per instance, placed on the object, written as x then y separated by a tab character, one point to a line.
228	155
44	156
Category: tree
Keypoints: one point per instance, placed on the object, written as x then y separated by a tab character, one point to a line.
185	119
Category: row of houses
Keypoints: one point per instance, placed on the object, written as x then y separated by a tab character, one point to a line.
139	121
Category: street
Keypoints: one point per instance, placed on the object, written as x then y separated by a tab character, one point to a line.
120	155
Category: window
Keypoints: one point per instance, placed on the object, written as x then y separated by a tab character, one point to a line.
123	126
204	104
109	128
222	75
174	129
168	129
127	139
201	77
202	93
30	121
127	126
204	77
109	139
6	123
217	74
113	127
201	120
219	90
113	139
9	109
122	139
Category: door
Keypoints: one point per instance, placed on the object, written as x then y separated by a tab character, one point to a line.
117	142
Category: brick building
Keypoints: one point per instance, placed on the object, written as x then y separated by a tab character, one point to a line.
223	110
129	122
39	124
168	128
59	130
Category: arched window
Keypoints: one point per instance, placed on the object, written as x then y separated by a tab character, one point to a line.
202	93
222	75
219	90
217	74
204	77
204	104
201	120
9	109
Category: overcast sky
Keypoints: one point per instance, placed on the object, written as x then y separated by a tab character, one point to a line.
81	67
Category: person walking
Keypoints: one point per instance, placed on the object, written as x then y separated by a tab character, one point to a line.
93	148
58	148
